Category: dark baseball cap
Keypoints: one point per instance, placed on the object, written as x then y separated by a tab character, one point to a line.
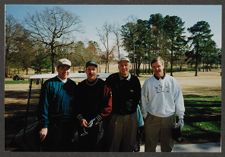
91	63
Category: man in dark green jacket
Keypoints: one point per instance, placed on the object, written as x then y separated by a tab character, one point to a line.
57	113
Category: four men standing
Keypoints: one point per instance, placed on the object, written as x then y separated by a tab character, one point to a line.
109	108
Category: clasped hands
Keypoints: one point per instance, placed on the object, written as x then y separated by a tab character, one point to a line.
92	122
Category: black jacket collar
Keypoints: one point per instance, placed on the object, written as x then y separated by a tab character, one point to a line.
160	77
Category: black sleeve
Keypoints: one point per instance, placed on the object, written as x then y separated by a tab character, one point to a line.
138	89
78	107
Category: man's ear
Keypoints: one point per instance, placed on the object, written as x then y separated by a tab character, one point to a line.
130	66
57	68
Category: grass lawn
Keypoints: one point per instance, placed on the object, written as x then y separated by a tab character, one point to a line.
16	82
202	118
202	97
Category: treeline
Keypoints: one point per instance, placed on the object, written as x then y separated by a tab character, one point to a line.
45	36
166	36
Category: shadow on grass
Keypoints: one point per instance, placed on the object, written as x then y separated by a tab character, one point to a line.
15	122
15	113
202	101
203	116
22	94
201	109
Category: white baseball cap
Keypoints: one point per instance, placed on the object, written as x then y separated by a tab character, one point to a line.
123	58
63	61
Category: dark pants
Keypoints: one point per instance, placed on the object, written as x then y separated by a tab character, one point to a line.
121	133
92	140
59	137
139	139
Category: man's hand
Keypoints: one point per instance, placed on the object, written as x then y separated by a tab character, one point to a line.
43	133
181	122
84	123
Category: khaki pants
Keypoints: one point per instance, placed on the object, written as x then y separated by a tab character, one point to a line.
122	133
158	129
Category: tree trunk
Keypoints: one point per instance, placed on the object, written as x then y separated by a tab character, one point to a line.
171	59
196	61
106	66
26	71
196	65
171	64
52	60
6	72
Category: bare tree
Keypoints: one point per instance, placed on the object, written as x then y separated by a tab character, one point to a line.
116	32
53	27
14	30
10	32
104	35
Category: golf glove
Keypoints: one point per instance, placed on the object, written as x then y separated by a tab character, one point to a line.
95	121
90	124
181	122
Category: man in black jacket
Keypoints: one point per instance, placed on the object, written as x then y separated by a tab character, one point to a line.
94	104
126	93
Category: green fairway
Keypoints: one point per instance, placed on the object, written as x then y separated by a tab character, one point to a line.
16	82
202	118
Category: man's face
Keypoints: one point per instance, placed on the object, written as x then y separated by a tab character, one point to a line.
157	68
63	71
91	72
124	67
